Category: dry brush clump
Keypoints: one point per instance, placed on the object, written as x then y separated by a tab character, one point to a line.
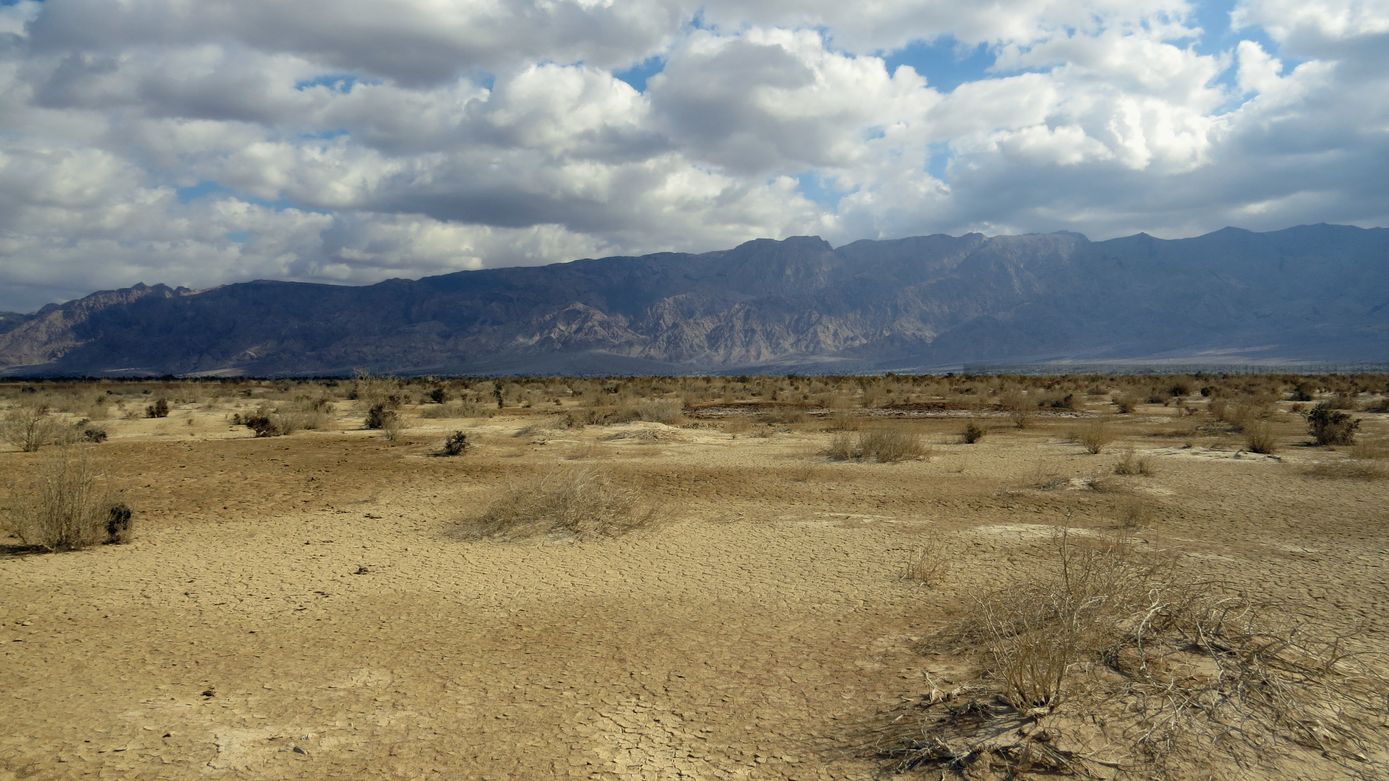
1114	662
1094	436
883	445
31	426
929	562
1132	464
1260	438
70	507
576	502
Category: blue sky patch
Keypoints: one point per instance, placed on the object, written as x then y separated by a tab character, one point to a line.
638	74
945	62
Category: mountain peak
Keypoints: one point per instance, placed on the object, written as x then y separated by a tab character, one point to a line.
798	243
766	305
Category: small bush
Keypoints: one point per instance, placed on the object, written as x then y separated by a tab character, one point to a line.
1018	407
69	508
928	564
668	411
392	427
93	434
262	425
569	501
1094	436
973	433
1259	438
438	395
1131	464
843	447
456	444
379	416
159	409
1126	404
118	521
30	427
891	445
1329	426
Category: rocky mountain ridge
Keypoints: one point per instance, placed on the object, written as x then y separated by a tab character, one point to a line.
1314	293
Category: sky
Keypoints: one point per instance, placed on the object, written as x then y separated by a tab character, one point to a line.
202	142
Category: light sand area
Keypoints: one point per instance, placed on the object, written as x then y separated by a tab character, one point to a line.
297	607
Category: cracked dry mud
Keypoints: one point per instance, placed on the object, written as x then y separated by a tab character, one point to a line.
297	607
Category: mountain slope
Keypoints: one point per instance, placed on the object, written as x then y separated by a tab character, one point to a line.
1317	293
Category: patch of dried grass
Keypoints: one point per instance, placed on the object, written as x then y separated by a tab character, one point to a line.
568	501
883	445
1352	469
1131	464
1170	667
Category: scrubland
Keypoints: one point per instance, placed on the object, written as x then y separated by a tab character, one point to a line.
705	577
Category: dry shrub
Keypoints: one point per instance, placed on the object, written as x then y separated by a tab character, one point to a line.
973	433
1126	404
843	447
69	507
1093	436
392	427
30	427
668	411
1171	668
277	421
1259	437
883	445
1018	407
928	563
1134	512
889	445
568	502
1132	464
374	391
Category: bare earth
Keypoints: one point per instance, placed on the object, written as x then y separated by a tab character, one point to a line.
301	607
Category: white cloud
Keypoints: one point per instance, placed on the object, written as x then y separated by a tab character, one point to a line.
1313	25
356	140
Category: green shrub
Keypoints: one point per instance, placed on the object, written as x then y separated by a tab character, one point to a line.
456	444
973	433
380	416
1329	426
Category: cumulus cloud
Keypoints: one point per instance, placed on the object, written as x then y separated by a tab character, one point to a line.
209	142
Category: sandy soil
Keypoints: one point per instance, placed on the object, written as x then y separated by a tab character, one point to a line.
298	607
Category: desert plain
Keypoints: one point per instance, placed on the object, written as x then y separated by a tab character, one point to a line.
320	605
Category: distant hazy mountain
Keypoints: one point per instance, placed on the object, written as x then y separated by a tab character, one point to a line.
1313	293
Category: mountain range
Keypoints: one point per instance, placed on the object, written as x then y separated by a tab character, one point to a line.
1316	293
